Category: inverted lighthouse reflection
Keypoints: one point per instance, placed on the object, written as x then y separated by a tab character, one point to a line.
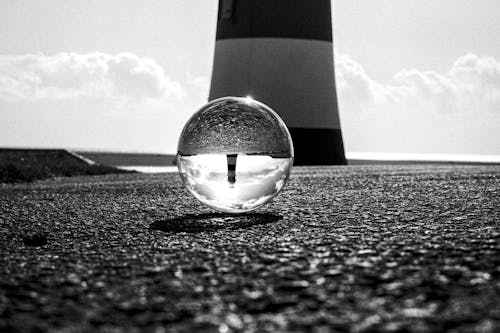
235	155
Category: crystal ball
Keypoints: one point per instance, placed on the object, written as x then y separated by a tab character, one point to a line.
235	154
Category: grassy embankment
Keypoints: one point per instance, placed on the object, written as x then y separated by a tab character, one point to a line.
26	165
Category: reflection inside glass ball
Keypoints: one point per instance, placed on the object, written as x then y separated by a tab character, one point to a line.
235	154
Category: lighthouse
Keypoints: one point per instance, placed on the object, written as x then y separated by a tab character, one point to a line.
280	52
231	169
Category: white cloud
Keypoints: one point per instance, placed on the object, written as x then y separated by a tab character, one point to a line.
471	85
121	77
456	112
200	82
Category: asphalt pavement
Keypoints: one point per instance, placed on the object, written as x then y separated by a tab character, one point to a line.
341	249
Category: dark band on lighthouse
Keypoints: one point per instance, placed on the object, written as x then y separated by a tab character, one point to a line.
275	18
231	168
281	53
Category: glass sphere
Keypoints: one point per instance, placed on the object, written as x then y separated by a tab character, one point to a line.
235	154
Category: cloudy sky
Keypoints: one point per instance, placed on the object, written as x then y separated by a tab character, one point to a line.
412	76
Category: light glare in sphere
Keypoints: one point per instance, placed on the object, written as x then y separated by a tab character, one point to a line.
235	154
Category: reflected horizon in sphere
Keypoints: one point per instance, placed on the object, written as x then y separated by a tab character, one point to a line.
235	154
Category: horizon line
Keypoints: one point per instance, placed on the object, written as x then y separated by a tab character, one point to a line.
366	156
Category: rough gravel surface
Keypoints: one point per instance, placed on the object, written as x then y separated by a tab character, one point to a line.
341	249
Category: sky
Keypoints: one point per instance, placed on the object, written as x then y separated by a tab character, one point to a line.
418	77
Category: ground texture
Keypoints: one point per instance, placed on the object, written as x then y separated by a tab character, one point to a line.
355	249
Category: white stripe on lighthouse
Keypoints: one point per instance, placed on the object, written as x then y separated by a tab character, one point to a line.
295	77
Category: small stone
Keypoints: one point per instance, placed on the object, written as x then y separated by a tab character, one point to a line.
36	239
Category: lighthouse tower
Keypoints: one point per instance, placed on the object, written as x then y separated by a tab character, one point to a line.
280	52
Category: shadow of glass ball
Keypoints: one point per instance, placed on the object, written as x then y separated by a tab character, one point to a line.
213	222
